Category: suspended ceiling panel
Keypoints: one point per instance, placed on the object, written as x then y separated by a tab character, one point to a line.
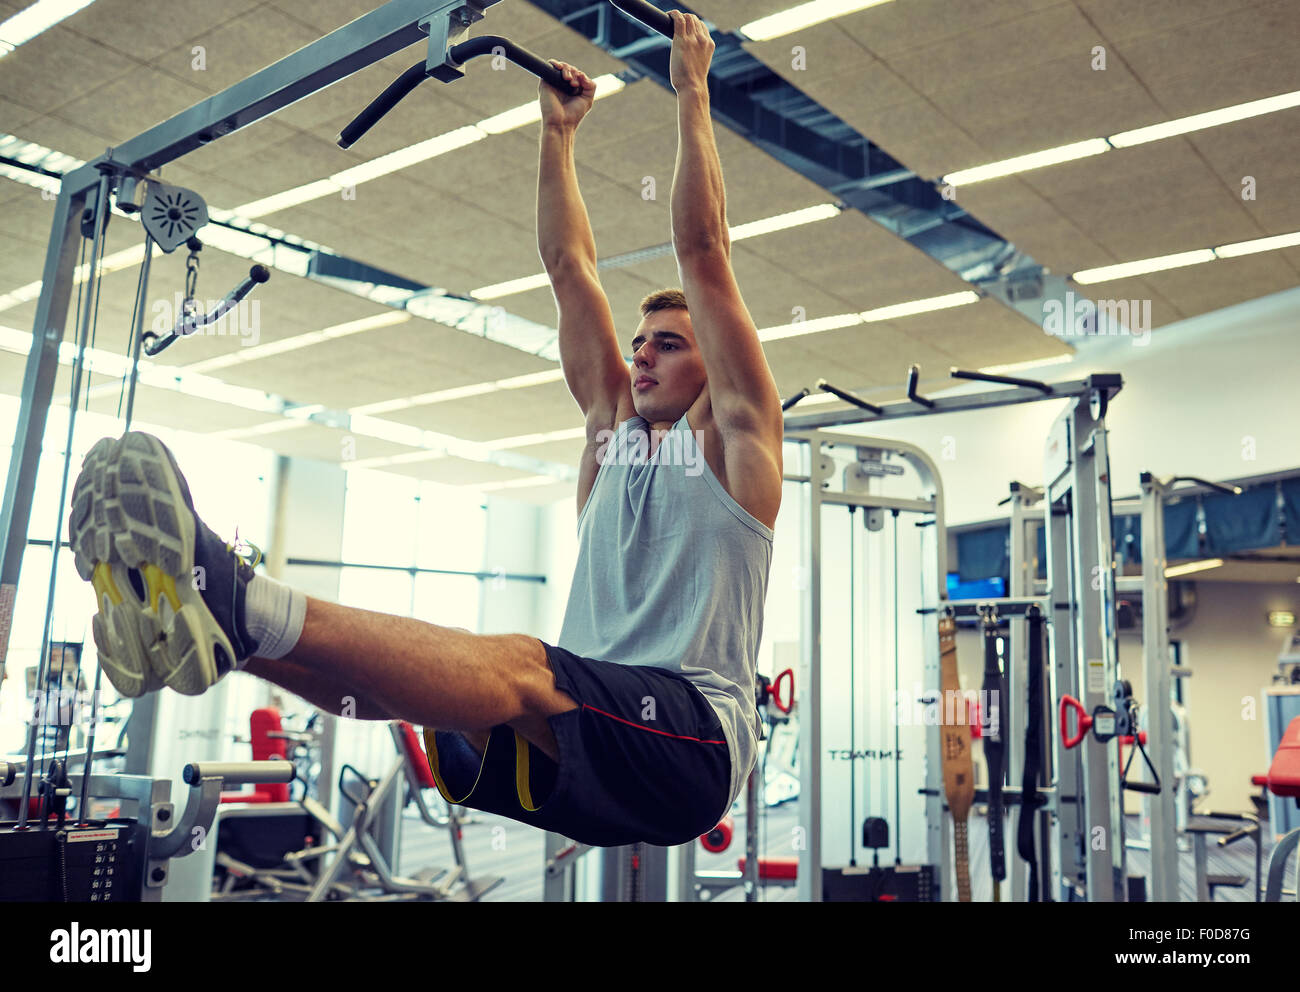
497	415
770	289
387	363
625	288
856	261
326	444
176	411
457	471
853	358
1266	149
561	452
1201	288
1150	200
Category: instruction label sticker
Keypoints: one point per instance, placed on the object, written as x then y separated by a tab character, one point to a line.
1096	675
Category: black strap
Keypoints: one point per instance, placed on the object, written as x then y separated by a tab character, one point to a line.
995	728
1033	752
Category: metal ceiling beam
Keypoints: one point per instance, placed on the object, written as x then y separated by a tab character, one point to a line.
774	115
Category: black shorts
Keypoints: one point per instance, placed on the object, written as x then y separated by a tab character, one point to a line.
643	759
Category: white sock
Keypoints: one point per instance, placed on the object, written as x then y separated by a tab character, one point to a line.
274	614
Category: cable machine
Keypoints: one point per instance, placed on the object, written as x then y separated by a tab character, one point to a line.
1077	611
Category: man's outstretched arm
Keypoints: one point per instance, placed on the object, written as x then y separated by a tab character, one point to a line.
589	352
742	390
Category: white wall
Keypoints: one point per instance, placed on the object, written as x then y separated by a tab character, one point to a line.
1233	653
1213	396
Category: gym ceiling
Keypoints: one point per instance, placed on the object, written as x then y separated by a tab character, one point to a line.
939	86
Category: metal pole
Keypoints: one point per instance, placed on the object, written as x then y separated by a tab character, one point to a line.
38	387
1160	723
818	468
138	330
1094	580
92	301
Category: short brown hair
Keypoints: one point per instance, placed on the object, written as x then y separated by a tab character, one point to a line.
664	299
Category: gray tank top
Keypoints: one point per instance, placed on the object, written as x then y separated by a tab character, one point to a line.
672	572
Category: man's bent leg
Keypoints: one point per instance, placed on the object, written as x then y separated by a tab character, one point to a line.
432	676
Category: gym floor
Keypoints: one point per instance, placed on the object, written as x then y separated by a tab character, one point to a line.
521	858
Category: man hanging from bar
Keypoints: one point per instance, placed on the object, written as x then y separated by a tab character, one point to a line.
640	724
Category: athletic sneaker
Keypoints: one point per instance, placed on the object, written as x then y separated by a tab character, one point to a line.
170	591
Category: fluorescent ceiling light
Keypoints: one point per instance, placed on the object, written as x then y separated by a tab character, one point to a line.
1125	139
1143	266
109	263
765	225
1023	163
271	427
460	392
802	16
523	440
30	178
410	155
1213	118
289	198
530	379
385	460
532	480
512	286
1033	364
387	430
808	215
271	348
531	112
440	396
1193	566
816	326
921	306
1259	244
39	17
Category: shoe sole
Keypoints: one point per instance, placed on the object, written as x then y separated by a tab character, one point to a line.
144	517
119	640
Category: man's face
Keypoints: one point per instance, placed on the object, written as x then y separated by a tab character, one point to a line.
667	369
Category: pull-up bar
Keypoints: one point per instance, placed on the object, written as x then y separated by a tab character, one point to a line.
445	60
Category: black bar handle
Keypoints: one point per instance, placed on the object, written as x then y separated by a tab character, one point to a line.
913	377
382	104
793	400
1006	380
486	44
1149	788
647	14
1237	835
1216	486
826	387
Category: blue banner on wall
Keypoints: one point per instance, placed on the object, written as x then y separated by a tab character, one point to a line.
1242	523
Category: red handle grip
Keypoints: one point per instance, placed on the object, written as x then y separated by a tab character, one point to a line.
1085	722
785	706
